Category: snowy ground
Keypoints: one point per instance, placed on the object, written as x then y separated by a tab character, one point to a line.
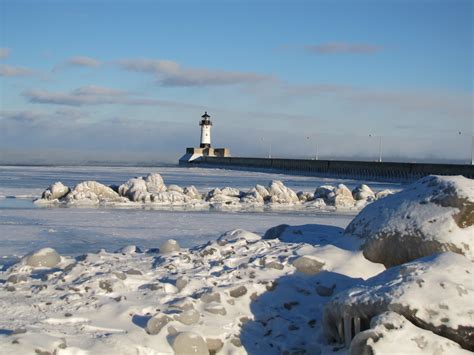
237	293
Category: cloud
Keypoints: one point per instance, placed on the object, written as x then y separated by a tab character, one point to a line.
21	116
170	73
4	53
11	71
342	48
98	95
83	61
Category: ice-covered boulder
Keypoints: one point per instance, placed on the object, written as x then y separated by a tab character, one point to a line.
186	343
141	188
170	197
432	215
170	246
252	197
434	293
46	257
154	183
385	333
192	192
92	191
55	191
175	188
262	191
305	196
324	192
231	191
363	192
279	193
341	197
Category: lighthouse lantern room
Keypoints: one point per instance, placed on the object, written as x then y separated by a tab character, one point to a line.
205	124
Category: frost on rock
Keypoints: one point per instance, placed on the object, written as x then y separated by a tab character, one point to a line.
46	257
385	333
432	215
434	293
55	191
341	197
170	246
363	192
92	191
279	193
189	343
141	188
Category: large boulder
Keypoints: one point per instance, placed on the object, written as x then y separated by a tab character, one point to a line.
46	257
279	193
92	191
55	191
140	189
432	215
363	192
341	197
434	293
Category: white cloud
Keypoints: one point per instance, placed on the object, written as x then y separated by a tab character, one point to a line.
169	73
83	61
4	52
12	71
343	48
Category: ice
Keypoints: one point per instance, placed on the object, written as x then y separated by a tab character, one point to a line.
308	265
92	192
46	257
189	343
391	333
279	193
434	292
55	191
363	192
170	246
432	215
188	317
156	323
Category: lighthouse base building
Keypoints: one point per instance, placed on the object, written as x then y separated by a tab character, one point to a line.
205	148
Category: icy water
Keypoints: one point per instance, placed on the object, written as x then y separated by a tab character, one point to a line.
25	227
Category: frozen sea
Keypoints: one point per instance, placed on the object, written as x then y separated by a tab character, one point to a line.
25	227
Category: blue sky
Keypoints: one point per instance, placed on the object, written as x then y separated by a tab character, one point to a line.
128	80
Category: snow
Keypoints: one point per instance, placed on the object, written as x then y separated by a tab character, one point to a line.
157	275
432	215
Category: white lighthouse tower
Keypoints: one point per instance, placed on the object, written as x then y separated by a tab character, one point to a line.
204	152
206	125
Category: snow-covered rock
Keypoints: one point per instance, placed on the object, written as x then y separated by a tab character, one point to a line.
252	197
341	197
279	193
434	293
46	257
391	333
170	246
175	188
141	188
305	196
170	197
92	192
432	215
192	192
324	191
363	192
55	191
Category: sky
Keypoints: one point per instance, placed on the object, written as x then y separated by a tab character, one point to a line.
127	81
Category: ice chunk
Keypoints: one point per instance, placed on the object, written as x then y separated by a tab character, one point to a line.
46	257
189	343
279	193
188	316
170	246
92	191
156	323
308	265
363	192
55	191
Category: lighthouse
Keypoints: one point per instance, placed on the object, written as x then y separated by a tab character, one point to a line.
206	125
204	152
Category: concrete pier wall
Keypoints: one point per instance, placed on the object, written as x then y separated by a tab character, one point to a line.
335	168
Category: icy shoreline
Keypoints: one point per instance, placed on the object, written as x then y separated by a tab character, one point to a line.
151	191
295	289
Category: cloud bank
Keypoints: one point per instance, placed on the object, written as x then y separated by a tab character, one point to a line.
83	61
12	71
170	73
